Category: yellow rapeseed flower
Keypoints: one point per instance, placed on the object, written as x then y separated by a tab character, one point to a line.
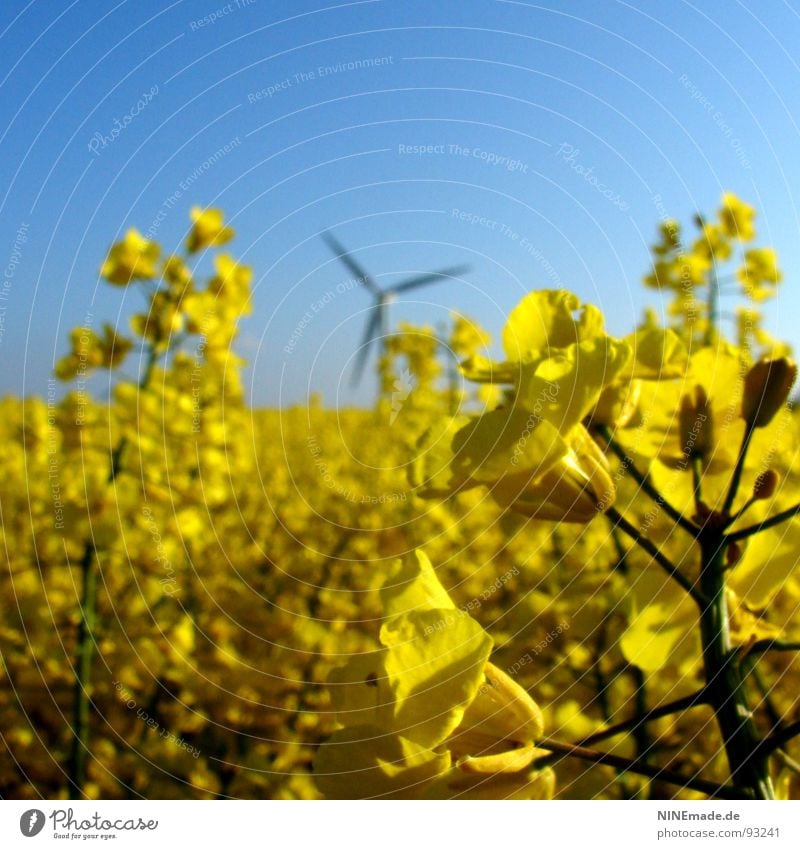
737	217
534	456
208	229
428	715
134	258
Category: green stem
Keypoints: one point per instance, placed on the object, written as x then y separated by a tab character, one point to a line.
601	683
787	760
741	511
663	561
86	625
83	668
636	767
725	684
780	738
772	712
777	519
773	645
639	731
697	476
737	471
713	307
644	481
679	705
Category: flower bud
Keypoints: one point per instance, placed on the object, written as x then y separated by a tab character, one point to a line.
696	424
703	513
765	485
617	404
766	387
733	555
575	489
500	718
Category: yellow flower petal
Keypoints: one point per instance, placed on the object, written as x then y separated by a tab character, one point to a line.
360	691
413	585
435	664
544	320
364	761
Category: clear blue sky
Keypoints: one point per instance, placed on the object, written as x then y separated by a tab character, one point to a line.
669	104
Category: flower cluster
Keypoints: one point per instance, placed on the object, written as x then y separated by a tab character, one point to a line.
428	715
614	519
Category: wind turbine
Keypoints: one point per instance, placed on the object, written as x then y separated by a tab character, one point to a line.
377	322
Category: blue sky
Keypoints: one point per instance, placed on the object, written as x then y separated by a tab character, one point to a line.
302	117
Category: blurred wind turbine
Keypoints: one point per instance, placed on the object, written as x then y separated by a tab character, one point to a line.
377	323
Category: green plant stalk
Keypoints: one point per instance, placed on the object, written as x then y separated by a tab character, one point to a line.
85	653
639	732
712	306
623	765
677	706
725	683
643	480
784	516
736	479
86	626
781	737
652	549
697	477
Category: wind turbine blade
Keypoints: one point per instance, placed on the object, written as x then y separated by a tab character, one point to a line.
370	331
426	279
383	318
353	267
